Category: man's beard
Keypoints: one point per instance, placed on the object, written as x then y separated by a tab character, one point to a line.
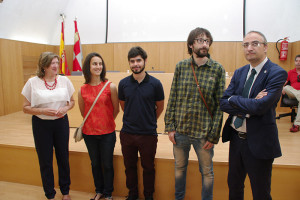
138	72
200	54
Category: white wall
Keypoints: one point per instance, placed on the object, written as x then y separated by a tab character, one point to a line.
172	20
275	18
39	21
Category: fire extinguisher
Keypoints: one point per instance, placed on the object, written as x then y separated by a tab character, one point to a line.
283	48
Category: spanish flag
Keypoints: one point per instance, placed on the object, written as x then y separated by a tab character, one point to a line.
77	55
62	53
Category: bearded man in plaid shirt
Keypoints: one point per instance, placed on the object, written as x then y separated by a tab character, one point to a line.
187	120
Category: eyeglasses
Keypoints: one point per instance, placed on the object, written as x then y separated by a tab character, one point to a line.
253	44
298	78
201	40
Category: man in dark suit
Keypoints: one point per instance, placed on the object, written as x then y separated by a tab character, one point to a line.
250	101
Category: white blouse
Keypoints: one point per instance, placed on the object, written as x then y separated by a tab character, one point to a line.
39	96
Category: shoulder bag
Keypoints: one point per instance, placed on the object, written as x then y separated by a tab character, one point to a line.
78	133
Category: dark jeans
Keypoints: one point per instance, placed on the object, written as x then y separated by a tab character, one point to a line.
48	134
146	145
241	163
101	149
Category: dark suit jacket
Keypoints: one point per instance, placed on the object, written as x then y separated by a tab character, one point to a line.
262	132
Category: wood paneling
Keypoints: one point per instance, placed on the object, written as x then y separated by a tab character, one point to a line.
170	54
295	51
12	75
105	50
2	105
120	56
20	58
225	53
274	56
30	56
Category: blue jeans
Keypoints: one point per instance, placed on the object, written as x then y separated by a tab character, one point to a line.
181	154
101	149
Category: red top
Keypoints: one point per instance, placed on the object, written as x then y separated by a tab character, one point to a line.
101	119
292	78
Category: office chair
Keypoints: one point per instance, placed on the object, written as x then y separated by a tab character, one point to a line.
287	102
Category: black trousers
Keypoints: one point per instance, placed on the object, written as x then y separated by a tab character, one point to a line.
101	150
146	145
48	134
241	163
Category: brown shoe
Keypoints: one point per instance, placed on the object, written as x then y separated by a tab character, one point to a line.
295	128
98	196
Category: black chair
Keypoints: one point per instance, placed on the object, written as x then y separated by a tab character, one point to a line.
287	102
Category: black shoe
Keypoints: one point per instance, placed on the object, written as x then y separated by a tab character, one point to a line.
132	198
149	198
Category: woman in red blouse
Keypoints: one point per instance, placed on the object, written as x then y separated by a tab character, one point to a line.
99	128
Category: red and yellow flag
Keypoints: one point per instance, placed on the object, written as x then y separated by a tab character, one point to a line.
62	53
77	55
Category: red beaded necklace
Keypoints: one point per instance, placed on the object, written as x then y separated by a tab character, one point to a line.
51	87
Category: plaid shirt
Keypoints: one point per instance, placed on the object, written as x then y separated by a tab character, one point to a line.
186	113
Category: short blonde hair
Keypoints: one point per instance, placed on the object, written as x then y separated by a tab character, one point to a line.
44	62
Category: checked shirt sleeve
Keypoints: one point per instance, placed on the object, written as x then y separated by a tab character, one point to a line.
170	112
214	134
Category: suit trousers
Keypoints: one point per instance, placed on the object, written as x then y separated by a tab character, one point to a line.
146	146
241	163
48	134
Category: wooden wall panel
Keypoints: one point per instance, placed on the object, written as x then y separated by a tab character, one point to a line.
152	50
274	56
225	53
69	52
295	51
30	56
12	75
105	50
2	105
20	59
120	56
170	53
240	58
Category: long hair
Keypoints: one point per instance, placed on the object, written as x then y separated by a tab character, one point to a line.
87	65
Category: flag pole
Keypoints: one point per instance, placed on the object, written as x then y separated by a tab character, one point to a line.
62	53
77	54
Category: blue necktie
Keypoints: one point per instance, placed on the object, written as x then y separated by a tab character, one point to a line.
239	121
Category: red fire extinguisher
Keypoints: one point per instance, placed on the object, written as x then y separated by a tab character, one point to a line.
283	48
